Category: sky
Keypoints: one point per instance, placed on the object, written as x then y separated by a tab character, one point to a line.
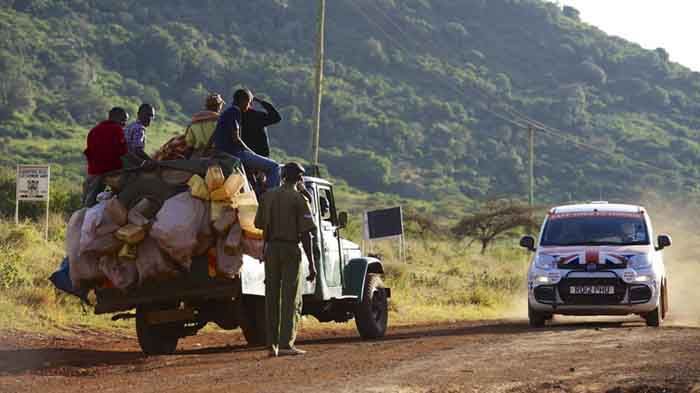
670	24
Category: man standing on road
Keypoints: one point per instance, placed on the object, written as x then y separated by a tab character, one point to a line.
254	122
105	146
227	138
285	218
135	133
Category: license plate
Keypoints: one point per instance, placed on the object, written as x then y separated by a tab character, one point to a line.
592	290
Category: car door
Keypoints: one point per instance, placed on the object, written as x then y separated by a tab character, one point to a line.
330	238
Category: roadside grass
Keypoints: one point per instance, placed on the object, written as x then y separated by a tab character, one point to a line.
28	300
445	280
441	280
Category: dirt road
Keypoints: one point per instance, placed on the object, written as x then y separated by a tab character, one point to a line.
619	355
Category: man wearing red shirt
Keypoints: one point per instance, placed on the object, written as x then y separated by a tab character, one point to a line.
105	146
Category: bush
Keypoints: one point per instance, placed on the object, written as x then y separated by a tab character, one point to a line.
11	273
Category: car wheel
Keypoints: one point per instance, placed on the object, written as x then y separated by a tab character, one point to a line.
656	316
664	297
536	319
372	314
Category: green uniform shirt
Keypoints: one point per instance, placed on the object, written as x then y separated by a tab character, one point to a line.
284	214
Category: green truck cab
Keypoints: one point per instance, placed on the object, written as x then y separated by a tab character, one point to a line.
348	285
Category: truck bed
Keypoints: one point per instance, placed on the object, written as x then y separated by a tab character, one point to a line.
197	285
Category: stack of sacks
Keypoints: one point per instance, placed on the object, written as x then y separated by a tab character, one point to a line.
221	193
107	242
93	248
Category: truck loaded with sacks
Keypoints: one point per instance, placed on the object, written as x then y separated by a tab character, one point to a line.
175	241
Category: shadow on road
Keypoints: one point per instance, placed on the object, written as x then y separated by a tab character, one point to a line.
18	361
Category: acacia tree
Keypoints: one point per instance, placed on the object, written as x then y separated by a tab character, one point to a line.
493	220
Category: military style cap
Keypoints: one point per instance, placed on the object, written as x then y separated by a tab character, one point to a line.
293	167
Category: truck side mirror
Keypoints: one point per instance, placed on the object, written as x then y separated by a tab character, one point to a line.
528	242
663	242
342	220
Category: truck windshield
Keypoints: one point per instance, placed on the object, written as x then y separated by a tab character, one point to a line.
579	229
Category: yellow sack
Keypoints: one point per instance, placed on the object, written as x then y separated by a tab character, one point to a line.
220	194
198	188
234	183
127	252
214	178
130	234
246	216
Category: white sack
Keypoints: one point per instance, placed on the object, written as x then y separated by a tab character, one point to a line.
176	226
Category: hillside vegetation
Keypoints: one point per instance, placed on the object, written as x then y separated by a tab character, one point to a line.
411	87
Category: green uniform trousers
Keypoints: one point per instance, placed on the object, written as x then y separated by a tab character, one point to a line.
282	293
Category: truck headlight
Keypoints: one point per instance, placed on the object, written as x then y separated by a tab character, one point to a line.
544	262
641	261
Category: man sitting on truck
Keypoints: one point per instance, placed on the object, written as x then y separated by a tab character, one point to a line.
253	129
199	133
105	146
135	133
227	138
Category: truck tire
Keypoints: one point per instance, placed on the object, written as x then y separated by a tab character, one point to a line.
156	339
252	319
372	314
536	319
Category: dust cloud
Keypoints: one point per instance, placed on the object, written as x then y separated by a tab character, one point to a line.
679	219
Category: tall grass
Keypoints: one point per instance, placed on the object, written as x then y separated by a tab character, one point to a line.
446	280
28	300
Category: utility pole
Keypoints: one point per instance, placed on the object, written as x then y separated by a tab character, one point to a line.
531	164
316	130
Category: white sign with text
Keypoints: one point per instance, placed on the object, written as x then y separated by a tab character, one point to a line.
33	182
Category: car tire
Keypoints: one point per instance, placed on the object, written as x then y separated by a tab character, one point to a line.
664	297
656	316
158	339
372	313
536	319
251	311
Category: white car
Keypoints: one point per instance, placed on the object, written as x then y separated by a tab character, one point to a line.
597	259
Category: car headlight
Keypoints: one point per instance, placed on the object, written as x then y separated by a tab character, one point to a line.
640	262
544	262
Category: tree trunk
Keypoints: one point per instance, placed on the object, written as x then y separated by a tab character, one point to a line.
484	245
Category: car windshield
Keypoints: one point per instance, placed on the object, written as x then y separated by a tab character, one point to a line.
595	228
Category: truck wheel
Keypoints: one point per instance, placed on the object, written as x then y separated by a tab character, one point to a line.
252	319
155	339
372	314
536	319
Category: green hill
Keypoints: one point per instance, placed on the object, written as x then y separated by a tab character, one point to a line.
411	90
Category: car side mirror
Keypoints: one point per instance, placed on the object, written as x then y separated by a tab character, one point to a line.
528	242
342	220
663	241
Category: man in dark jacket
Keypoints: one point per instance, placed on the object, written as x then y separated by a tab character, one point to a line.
253	131
227	138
